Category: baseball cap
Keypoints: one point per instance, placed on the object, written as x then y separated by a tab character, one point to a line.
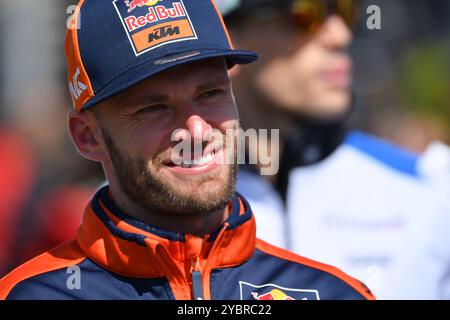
112	45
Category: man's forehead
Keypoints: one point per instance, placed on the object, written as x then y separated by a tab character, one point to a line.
205	73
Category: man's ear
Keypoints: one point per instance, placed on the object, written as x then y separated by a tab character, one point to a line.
234	72
86	135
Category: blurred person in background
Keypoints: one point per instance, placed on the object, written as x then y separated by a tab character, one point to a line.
43	182
33	217
17	176
341	196
60	186
53	219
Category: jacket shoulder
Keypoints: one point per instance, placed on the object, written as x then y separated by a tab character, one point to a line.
63	256
386	153
356	285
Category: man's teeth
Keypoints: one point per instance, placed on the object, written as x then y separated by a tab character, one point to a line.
197	162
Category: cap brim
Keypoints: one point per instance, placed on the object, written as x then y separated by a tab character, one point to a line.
150	68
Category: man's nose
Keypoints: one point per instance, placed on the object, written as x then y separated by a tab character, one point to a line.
198	128
334	33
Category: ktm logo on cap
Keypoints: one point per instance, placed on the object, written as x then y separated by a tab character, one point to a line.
163	32
151	24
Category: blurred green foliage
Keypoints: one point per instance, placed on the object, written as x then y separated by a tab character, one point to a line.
424	80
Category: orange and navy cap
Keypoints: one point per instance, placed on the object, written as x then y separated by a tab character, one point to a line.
112	45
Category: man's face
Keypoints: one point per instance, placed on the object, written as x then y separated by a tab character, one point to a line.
307	75
137	128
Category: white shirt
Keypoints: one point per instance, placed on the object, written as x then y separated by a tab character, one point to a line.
264	200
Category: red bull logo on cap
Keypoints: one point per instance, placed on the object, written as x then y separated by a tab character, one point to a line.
158	13
272	291
151	24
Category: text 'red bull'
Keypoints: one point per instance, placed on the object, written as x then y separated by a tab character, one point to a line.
157	13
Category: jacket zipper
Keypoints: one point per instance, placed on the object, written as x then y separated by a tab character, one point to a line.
196	273
197	285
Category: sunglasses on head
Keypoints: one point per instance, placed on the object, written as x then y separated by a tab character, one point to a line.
309	15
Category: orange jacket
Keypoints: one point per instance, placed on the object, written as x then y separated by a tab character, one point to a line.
116	257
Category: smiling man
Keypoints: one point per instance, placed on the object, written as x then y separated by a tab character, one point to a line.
136	127
167	225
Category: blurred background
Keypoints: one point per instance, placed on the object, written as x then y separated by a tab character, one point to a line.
402	89
402	78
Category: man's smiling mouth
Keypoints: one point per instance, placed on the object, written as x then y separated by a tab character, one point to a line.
210	160
197	162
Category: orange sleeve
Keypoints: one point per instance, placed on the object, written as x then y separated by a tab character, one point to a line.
65	255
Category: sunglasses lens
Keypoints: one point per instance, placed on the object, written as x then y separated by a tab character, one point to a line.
309	15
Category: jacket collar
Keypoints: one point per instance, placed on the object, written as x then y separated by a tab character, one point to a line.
129	247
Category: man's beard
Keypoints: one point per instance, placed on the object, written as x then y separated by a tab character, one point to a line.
150	190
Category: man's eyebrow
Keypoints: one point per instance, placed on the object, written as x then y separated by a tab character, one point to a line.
213	83
126	103
147	100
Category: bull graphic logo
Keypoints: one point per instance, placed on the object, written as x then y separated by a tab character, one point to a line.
274	294
133	4
270	291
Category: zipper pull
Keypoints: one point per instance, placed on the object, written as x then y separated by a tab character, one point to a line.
197	285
